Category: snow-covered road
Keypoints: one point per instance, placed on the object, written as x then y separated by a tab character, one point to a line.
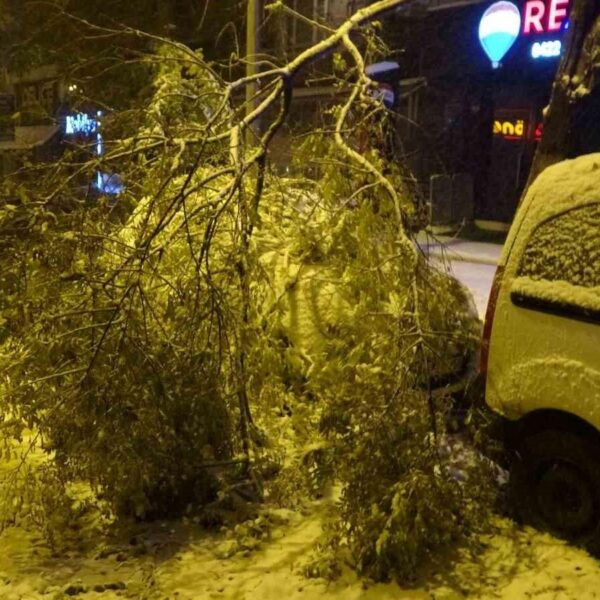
472	263
478	278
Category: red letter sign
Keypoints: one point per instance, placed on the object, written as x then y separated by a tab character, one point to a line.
534	13
558	12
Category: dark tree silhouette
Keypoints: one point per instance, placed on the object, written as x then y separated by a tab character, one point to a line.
571	121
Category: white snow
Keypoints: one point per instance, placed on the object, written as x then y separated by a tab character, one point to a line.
182	563
455	249
472	263
562	292
561	187
478	278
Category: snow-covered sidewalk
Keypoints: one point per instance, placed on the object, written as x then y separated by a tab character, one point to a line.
472	263
175	561
456	249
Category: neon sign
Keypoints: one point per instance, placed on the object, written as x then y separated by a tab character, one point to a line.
516	124
86	126
544	16
503	23
109	183
549	49
80	124
498	30
510	129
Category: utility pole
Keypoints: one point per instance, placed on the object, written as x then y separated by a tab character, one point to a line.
254	23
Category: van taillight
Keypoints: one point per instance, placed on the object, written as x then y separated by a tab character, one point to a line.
489	320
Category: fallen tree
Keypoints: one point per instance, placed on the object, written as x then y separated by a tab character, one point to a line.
151	349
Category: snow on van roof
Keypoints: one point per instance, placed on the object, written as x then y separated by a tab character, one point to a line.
565	185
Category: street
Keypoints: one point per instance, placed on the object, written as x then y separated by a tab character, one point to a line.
478	278
472	263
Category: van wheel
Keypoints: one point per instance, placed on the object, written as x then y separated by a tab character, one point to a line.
555	485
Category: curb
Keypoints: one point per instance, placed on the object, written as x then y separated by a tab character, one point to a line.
454	255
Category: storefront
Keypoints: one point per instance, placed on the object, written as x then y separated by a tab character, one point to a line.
489	68
29	130
46	126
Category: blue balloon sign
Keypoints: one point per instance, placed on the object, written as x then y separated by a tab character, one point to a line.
498	30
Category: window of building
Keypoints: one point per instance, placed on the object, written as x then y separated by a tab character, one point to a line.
302	34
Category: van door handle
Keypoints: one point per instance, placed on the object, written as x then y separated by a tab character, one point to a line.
555	307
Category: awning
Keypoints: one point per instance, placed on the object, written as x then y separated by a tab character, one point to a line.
407	85
27	137
444	4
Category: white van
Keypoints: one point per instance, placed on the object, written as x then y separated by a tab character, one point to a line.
541	350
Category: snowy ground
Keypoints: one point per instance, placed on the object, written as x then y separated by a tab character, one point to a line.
180	561
478	278
170	561
472	263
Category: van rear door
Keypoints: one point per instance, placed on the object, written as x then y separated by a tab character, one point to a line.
545	345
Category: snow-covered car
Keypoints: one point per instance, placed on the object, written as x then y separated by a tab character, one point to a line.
318	310
322	299
540	356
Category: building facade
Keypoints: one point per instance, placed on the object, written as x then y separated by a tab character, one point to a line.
31	106
471	129
473	81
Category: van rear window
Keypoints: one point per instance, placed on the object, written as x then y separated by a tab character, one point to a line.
565	248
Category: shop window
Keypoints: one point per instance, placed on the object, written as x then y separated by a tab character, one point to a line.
565	248
302	34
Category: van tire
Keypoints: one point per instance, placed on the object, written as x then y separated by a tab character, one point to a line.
555	485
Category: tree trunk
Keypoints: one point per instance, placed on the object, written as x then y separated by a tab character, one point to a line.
572	120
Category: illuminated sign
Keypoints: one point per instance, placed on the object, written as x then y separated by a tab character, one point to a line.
544	16
517	124
109	183
546	49
498	30
510	129
81	124
503	23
